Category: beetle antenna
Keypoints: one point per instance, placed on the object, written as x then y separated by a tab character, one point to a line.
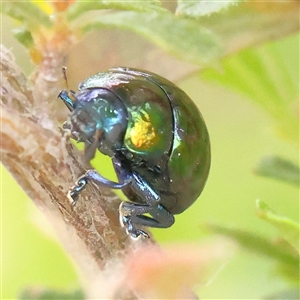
64	70
70	92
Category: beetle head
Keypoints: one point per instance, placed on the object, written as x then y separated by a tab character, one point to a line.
98	118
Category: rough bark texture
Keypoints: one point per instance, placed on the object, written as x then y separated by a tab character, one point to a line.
46	165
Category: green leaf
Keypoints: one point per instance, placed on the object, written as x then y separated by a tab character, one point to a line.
180	37
259	245
199	8
284	295
249	24
26	12
284	256
278	168
23	36
40	294
80	7
288	229
263	75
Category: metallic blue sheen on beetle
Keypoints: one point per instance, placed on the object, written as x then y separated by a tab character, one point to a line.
155	136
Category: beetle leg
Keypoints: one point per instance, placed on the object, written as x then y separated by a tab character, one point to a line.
90	148
93	175
132	214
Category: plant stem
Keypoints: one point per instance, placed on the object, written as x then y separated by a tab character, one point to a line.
46	165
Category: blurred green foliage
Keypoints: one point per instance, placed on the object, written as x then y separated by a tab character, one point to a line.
278	168
267	78
288	229
51	295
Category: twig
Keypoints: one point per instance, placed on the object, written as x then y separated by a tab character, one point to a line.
46	165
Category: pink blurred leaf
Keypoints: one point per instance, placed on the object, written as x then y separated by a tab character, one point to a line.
172	273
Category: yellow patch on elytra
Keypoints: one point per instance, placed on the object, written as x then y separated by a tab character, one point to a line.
142	134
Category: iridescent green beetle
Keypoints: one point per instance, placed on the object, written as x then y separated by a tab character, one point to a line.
155	136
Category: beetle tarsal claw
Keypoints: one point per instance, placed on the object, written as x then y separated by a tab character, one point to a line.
136	233
126	222
74	192
143	233
72	197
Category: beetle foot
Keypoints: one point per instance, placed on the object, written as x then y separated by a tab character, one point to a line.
74	192
130	228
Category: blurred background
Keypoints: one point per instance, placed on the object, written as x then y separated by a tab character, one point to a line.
241	134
